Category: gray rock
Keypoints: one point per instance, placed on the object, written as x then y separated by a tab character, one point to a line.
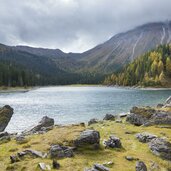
109	117
160	147
6	113
136	119
97	167
55	164
145	137
43	126
32	153
44	167
140	166
92	121
130	158
57	151
4	137
154	167
14	158
100	167
113	142
88	137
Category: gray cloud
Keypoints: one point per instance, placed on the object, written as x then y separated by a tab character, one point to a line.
74	25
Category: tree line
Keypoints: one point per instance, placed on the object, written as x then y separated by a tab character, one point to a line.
151	69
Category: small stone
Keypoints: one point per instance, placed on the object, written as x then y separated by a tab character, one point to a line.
55	164
140	166
108	164
130	158
44	167
14	159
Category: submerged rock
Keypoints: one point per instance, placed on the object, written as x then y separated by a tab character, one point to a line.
145	137
57	151
88	137
109	117
160	147
113	142
140	166
6	113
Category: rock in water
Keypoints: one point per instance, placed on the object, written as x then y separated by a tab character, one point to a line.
109	117
160	147
145	137
6	113
113	142
88	137
140	166
168	102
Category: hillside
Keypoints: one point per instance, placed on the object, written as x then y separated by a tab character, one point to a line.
90	67
151	69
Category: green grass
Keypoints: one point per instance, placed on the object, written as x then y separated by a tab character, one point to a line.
86	157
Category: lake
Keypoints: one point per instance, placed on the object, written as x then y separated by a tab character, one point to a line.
70	104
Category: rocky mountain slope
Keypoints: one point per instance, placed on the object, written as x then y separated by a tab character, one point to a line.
103	59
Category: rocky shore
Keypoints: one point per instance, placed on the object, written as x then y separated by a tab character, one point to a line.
137	141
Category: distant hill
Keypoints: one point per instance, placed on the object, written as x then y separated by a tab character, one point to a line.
151	69
93	65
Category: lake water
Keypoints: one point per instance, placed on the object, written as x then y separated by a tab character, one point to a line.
75	104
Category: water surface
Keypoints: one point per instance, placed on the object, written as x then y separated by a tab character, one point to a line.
75	104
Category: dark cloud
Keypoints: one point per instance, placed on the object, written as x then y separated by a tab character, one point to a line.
74	25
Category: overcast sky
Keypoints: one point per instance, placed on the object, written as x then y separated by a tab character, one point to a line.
74	25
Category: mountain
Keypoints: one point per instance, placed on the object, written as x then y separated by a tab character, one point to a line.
125	47
151	69
90	66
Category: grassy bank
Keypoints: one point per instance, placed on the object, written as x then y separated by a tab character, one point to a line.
86	157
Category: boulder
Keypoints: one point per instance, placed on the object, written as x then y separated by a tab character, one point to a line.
92	121
160	106
14	158
145	137
109	117
6	113
113	142
43	126
136	119
88	137
159	118
140	166
160	147
32	153
4	137
57	151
